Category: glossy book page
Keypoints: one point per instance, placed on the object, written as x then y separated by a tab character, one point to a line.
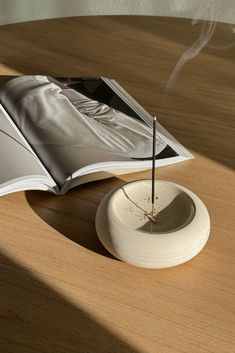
69	130
17	160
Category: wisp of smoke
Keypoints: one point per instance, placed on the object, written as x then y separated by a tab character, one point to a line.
208	28
230	45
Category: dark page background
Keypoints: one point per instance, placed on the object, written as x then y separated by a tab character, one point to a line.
95	88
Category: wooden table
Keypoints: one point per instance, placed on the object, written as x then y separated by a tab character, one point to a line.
60	290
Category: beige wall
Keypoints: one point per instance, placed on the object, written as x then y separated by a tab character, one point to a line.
25	10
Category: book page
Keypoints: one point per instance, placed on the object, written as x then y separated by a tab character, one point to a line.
16	160
69	130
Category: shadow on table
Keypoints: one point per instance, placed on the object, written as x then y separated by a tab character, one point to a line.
35	318
73	214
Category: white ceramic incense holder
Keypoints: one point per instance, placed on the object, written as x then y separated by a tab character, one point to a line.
181	230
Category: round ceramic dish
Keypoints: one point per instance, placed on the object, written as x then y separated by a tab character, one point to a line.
181	231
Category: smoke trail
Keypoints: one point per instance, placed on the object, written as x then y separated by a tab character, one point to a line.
230	45
207	30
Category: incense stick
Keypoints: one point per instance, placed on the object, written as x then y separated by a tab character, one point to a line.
153	164
149	215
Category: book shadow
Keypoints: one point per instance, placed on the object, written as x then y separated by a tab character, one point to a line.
36	317
73	214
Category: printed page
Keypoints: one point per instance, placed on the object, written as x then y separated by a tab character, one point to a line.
70	131
16	159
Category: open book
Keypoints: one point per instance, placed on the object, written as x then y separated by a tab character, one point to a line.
59	133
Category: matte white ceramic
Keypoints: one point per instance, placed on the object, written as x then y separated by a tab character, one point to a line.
181	231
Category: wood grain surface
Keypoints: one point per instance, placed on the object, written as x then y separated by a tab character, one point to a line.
60	290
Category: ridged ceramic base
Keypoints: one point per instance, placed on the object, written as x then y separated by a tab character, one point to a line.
181	231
